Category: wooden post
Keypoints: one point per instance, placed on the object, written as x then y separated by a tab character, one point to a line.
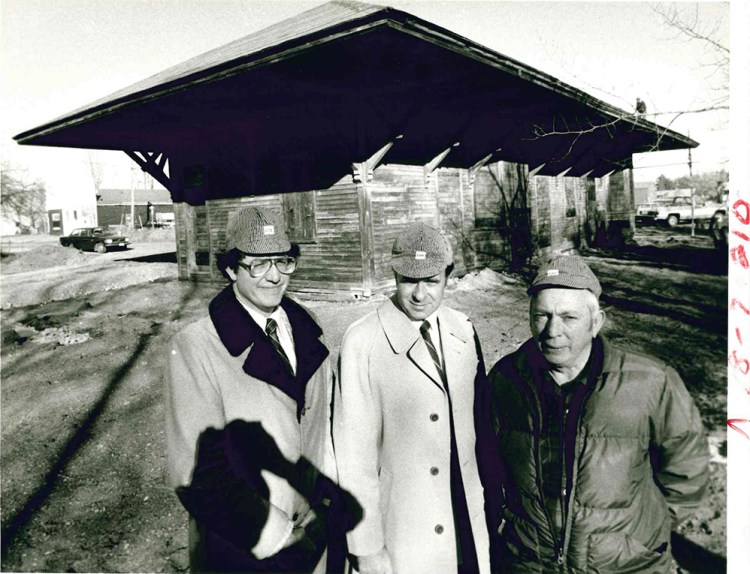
367	240
631	195
132	197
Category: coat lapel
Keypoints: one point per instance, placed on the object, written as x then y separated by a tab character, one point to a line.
405	339
455	345
239	332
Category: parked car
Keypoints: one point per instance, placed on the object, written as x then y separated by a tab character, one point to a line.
94	239
719	228
680	210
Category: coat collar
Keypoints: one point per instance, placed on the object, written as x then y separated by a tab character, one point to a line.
238	332
404	338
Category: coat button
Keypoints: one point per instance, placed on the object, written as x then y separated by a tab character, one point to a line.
434	470
439	529
434	417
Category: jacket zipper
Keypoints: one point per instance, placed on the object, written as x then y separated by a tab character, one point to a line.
578	448
559	557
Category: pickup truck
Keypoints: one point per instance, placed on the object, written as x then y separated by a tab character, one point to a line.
94	239
679	210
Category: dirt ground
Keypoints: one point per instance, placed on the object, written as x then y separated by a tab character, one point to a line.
84	341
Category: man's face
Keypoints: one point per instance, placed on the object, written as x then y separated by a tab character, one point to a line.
419	298
563	325
264	292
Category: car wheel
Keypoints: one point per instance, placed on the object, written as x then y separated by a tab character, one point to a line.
100	248
673	220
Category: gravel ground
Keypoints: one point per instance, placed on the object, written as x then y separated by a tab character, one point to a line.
83	344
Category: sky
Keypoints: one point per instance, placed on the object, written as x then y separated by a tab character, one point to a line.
58	55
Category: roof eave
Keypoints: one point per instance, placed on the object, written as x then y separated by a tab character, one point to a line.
385	16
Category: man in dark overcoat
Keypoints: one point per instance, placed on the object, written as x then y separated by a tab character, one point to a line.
248	399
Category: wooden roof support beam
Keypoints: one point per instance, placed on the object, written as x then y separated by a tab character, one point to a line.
474	169
363	171
536	170
435	162
154	164
603	170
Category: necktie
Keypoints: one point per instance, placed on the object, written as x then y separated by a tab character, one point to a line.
425	330
272	332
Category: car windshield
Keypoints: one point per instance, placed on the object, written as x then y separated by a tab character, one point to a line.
97	231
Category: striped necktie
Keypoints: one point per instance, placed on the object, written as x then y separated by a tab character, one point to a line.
272	332
425	330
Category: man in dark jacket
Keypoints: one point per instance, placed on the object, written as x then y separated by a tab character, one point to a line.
605	448
248	396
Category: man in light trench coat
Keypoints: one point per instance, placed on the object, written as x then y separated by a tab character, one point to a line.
248	413
404	423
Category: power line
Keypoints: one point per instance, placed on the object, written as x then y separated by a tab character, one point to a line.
666	164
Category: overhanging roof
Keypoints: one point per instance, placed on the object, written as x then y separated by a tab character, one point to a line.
344	79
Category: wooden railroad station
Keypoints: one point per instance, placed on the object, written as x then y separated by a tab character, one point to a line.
354	120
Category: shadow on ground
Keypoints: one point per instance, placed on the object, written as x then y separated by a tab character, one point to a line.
155	258
15	524
694	558
687	258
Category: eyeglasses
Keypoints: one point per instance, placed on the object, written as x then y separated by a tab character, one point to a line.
259	267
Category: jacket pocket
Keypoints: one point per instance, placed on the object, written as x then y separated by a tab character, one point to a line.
623	554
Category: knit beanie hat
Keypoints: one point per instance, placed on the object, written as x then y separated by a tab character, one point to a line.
257	231
420	251
567	272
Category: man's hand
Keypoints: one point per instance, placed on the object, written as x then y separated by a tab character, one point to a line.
296	535
298	532
377	563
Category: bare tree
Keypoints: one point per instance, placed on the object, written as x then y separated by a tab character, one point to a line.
685	21
23	202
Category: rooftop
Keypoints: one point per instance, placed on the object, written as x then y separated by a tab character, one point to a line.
335	84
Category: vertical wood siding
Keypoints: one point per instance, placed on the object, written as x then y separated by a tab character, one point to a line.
399	197
451	212
480	217
561	212
330	263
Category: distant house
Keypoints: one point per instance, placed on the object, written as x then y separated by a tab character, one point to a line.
151	206
64	220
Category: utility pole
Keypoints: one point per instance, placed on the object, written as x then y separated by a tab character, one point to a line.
692	192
